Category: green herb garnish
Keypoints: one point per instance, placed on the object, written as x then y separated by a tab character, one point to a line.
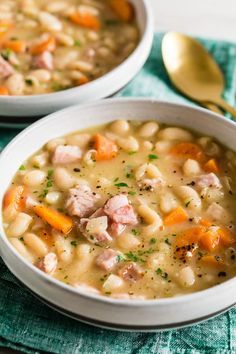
121	184
29	82
152	157
132	152
160	272
153	241
74	243
22	168
167	242
187	204
77	43
132	193
135	232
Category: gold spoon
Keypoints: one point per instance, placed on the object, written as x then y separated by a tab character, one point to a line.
193	71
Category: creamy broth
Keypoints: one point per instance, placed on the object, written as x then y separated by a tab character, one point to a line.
127	210
48	46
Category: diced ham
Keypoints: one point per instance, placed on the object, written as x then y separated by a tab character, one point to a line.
97	213
81	201
120	211
108	259
117	228
95	229
44	61
217	212
65	154
208	180
131	272
5	68
49	263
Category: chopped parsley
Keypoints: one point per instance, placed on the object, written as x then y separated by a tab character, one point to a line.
120	258
135	232
22	168
132	152
121	184
160	272
74	243
187	204
167	242
132	193
153	241
77	43
152	157
29	82
132	257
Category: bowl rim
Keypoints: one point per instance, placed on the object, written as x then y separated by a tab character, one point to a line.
182	299
98	81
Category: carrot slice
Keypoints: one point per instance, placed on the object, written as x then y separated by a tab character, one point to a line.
4	91
189	237
87	20
209	240
205	222
48	44
54	218
16	46
15	197
212	166
227	238
82	80
212	261
188	151
123	9
105	148
5	28
176	216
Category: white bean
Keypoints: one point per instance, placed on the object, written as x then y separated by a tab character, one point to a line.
34	178
146	145
36	244
21	248
147	130
128	241
63	247
63	179
175	133
186	277
191	168
40	160
52	144
41	75
83	251
190	197
168	202
53	197
82	140
120	127
50	22
112	283
151	217
19	225
15	84
163	146
64	39
56	7
129	144
81	66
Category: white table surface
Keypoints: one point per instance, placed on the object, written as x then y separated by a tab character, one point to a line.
207	18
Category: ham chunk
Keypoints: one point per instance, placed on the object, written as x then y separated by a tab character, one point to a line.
131	272
49	263
117	228
108	259
5	68
81	201
217	212
95	229
120	211
65	154
206	181
44	61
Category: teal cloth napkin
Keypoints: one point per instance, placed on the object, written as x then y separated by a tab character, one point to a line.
30	326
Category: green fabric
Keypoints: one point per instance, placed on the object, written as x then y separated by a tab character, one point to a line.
30	326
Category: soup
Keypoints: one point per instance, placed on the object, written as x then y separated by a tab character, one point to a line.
134	210
48	46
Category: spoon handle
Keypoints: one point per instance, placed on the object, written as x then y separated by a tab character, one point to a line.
226	107
212	108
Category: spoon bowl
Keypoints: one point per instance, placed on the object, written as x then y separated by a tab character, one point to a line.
192	70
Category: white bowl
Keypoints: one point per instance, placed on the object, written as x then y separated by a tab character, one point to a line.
148	315
105	86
